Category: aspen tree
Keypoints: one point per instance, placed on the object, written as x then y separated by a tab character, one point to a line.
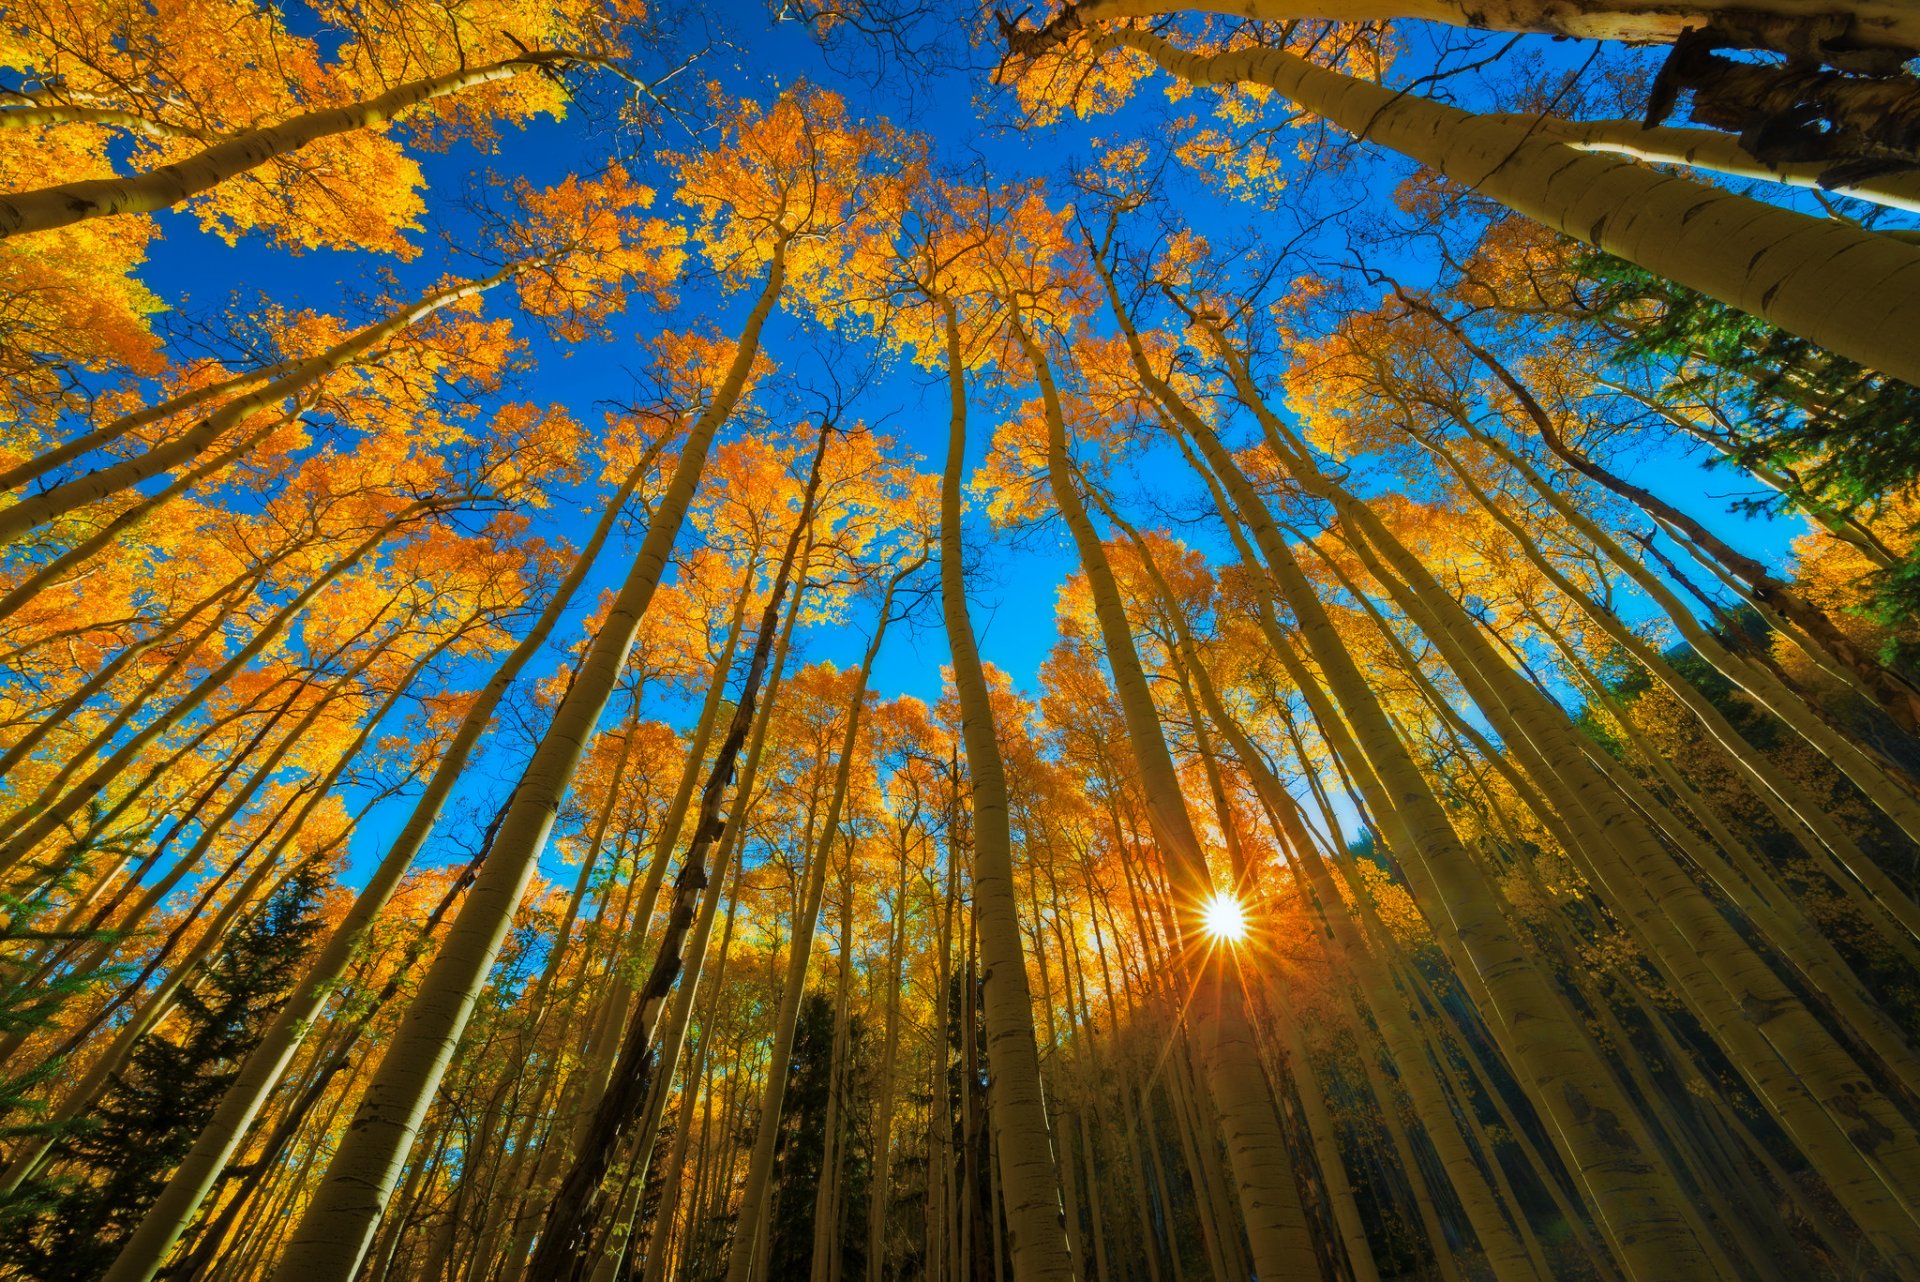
146	1251
566	1236
337	1227
26	212
753	1196
1848	290
1036	1239
1276	1223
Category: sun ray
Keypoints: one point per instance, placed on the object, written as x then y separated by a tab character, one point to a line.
1224	919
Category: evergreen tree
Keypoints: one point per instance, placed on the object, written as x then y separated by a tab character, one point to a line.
811	1078
69	1224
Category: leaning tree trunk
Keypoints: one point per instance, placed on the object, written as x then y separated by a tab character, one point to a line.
1852	291
564	1251
1637	1197
338	1225
102	483
45	208
1889	27
49	819
144	1253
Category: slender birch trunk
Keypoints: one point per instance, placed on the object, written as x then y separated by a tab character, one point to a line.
144	1253
566	1240
56	813
338	1225
753	1196
1269	1197
28	513
1035	1238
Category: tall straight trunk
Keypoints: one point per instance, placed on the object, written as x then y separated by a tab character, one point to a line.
829	1199
658	1238
1505	1253
879	1194
565	1249
1788	1058
338	1225
1852	291
1720	153
671	1033
601	1049
1035	1239
1889	786
615	1003
941	1217
23	213
753	1196
1269	1196
146	1250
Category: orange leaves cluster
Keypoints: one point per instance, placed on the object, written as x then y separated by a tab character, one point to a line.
796	177
588	248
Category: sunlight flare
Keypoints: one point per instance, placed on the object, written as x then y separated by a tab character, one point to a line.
1224	919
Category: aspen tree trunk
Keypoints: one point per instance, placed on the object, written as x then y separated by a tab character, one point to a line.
62	715
56	813
1036	1239
1633	1192
672	1035
1877	23
1131	1133
1851	291
228	601
565	1247
521	1143
1778	599
1799	815
1061	1116
618	999
829	1203
941	1217
1737	997
74	559
22	213
1071	968
146	1250
50	504
753	1197
338	1225
1320	1123
1888	785
1269	1198
657	1242
1712	150
879	1193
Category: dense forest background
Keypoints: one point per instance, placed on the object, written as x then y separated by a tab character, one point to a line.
897	641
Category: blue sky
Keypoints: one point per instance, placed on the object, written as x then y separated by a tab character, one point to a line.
1018	582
